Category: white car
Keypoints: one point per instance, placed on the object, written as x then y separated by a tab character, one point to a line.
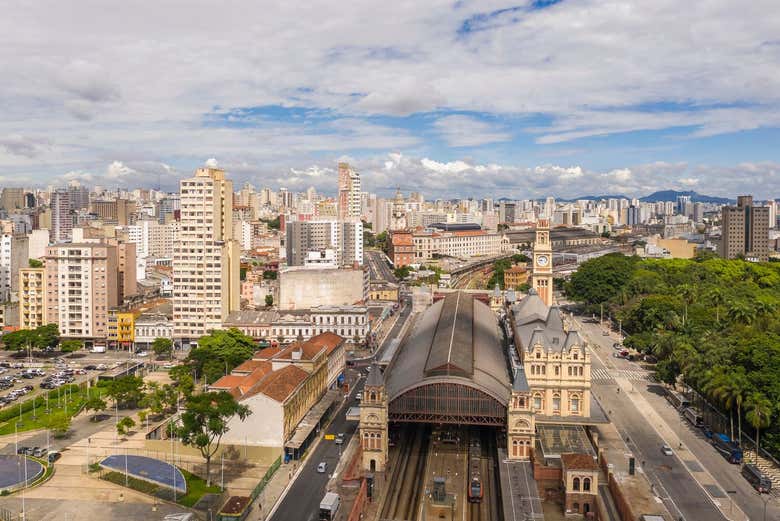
667	450
142	354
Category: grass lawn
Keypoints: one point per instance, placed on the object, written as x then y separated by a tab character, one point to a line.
196	487
36	417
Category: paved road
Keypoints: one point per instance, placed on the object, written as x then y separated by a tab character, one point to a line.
727	475
378	267
302	501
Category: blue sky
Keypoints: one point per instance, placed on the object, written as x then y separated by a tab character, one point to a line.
515	99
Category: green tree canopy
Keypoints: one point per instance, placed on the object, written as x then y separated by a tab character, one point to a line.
71	345
162	347
219	352
205	420
127	391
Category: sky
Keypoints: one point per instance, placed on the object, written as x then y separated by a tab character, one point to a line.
450	98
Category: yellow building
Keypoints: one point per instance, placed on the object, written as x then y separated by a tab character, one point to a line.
515	276
32	298
383	291
125	328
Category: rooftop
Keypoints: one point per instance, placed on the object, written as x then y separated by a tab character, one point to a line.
579	461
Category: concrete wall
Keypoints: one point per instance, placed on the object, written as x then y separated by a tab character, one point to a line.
307	288
264	427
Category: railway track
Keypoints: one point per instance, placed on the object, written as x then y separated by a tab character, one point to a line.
407	476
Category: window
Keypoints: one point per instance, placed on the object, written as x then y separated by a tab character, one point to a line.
575	484
586	485
575	404
538	403
556	403
557	370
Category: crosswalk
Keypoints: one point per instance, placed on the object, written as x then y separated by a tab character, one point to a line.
767	468
602	375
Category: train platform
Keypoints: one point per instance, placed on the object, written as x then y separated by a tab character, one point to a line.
519	493
448	461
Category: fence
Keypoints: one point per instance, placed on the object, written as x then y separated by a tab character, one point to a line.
719	422
266	478
7	515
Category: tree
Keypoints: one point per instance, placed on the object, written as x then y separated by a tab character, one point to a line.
181	375
269	300
402	272
162	347
759	414
35	263
47	336
219	352
96	404
125	425
18	340
270	274
126	391
71	345
205	420
58	423
154	398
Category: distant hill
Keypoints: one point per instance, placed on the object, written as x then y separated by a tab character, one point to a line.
671	195
661	195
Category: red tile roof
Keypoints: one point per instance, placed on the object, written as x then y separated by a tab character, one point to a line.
579	462
280	384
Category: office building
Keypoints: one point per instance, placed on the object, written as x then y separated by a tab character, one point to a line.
32	298
205	256
12	199
745	230
306	287
349	193
82	284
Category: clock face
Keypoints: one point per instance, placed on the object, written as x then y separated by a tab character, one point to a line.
542	260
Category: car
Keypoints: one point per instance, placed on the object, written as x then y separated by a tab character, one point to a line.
5	364
666	450
322	467
54	456
368	369
39	452
339	441
101	367
28	451
142	354
359	396
617	355
617	345
21	450
17	365
605	332
28	388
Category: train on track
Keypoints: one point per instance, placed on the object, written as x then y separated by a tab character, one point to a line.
475	478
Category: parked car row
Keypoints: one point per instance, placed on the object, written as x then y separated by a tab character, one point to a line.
15	394
39	452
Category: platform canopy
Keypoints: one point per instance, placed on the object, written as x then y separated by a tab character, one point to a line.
452	367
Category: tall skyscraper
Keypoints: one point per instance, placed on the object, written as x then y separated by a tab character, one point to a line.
206	284
79	196
349	193
61	220
745	230
682	201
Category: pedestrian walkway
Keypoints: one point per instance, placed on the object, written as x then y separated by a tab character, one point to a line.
602	375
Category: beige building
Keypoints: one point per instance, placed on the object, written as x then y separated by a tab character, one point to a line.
349	193
206	285
542	277
745	230
32	298
81	285
459	244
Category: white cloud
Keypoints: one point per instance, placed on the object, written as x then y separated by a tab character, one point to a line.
465	131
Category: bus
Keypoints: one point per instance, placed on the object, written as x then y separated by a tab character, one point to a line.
730	450
677	400
757	478
329	506
692	415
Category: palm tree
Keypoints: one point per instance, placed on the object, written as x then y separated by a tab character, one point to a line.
741	312
731	391
759	413
715	295
764	310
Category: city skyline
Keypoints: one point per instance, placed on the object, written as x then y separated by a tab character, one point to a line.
466	98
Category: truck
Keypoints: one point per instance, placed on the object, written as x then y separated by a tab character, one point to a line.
329	506
726	446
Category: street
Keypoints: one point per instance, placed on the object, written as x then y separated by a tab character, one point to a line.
378	267
671	476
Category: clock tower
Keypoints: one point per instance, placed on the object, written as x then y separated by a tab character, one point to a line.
542	277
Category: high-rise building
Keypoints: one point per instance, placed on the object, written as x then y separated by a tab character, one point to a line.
206	285
682	201
745	230
344	237
506	212
32	298
12	199
61	219
349	193
82	283
398	220
14	255
79	196
632	216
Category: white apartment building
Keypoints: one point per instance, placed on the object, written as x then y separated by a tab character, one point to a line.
13	257
153	239
149	327
462	244
206	285
81	286
32	298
